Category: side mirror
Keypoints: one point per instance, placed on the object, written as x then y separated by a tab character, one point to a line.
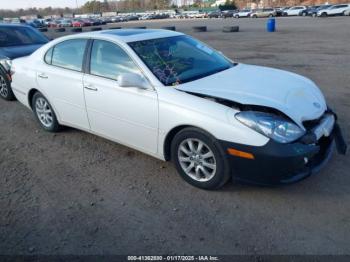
132	80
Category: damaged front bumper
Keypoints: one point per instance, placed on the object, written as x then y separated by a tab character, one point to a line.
276	163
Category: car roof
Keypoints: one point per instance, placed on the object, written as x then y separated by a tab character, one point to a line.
13	25
132	35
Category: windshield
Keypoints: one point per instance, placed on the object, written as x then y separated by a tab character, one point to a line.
21	35
179	59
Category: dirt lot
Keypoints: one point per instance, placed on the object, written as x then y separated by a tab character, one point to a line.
75	193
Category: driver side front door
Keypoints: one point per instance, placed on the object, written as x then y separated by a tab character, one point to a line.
126	115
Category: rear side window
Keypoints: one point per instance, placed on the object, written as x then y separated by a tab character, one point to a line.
69	54
109	60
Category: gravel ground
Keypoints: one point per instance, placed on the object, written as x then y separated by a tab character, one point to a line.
75	193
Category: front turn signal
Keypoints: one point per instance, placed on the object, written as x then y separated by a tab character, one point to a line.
239	153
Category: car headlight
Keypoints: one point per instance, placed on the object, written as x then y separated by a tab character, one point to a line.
6	63
270	125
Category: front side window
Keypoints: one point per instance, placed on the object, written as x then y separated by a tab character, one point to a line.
109	60
69	54
179	59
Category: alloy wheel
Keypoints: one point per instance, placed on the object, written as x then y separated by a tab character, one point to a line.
44	112
197	160
3	87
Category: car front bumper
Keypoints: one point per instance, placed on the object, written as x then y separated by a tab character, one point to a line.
276	163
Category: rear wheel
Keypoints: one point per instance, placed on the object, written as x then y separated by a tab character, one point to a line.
44	113
5	87
199	159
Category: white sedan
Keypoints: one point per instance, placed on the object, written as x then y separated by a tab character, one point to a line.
243	13
295	10
173	97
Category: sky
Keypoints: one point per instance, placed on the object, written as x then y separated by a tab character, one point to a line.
16	4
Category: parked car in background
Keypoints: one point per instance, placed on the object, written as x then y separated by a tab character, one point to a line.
308	10
200	14
295	10
131	18
65	23
347	12
334	10
147	17
94	21
263	12
15	41
80	23
54	23
243	13
313	11
279	11
36	23
284	10
213	118
228	13
214	14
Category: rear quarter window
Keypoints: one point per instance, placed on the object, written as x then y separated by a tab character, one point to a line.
48	56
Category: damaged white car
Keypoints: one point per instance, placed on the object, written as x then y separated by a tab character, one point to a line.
173	97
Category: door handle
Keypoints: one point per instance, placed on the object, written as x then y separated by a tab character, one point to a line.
90	87
43	76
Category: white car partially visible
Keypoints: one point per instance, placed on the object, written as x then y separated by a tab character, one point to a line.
347	12
295	10
243	13
173	97
334	10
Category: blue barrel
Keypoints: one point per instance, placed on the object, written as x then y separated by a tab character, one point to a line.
271	25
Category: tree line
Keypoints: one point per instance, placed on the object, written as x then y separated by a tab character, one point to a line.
94	6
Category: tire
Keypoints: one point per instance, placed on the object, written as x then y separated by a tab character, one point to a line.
76	30
199	28
213	171
5	87
323	14
230	29
60	30
39	102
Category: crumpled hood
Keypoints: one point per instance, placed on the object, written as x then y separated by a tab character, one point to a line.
294	95
13	52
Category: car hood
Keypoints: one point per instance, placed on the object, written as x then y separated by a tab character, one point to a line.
13	52
294	95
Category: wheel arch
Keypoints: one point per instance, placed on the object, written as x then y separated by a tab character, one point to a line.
172	133
30	96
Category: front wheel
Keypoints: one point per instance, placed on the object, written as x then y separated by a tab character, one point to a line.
199	159
44	113
5	87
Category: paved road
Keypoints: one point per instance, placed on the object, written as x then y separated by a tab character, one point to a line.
75	193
